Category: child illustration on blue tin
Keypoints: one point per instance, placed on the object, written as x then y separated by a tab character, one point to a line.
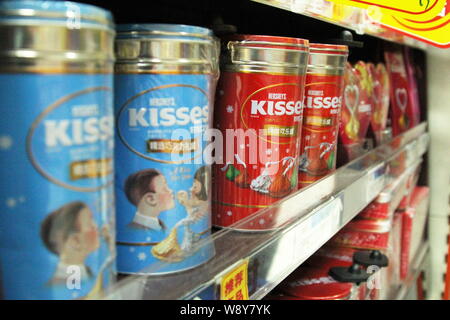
71	233
149	192
197	207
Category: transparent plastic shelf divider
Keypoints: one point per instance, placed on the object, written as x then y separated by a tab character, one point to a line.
305	221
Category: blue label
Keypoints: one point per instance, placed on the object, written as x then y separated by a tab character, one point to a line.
56	199
162	182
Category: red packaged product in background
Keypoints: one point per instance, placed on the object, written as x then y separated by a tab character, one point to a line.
364	234
413	228
322	108
402	114
259	100
410	186
315	284
412	86
329	257
381	90
350	125
365	108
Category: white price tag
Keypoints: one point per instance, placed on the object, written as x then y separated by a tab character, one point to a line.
317	229
376	182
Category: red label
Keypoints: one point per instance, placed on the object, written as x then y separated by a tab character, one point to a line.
260	117
400	102
323	101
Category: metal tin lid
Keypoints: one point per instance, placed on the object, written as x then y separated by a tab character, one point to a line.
55	36
157	30
370	225
71	14
159	48
323	48
266	54
327	59
269	41
329	257
315	284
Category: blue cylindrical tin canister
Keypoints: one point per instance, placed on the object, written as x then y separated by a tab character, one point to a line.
165	77
57	234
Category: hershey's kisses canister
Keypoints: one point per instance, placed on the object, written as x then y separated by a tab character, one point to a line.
164	88
322	109
56	146
259	110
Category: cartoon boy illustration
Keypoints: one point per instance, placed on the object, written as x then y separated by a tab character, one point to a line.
148	191
71	233
197	207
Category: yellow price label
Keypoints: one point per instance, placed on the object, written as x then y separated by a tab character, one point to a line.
435	31
234	285
424	20
418	10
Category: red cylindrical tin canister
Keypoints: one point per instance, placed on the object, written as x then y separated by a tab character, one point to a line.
259	111
315	284
329	257
364	234
323	101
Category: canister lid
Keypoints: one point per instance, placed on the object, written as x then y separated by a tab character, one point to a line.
269	41
370	225
328	48
71	14
158	30
266	54
315	284
332	257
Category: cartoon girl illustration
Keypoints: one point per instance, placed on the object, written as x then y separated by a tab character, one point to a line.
197	207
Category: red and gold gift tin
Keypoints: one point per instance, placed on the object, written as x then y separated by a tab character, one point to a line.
323	102
259	112
315	284
364	234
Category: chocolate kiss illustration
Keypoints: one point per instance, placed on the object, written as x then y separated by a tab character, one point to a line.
317	164
281	185
351	95
242	180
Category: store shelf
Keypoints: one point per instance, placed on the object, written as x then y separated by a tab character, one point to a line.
417	267
356	20
306	219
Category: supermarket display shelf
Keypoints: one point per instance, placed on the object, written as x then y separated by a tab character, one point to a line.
416	268
306	220
363	25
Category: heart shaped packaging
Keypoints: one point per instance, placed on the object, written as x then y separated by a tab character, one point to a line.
381	87
402	113
355	115
349	127
365	108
